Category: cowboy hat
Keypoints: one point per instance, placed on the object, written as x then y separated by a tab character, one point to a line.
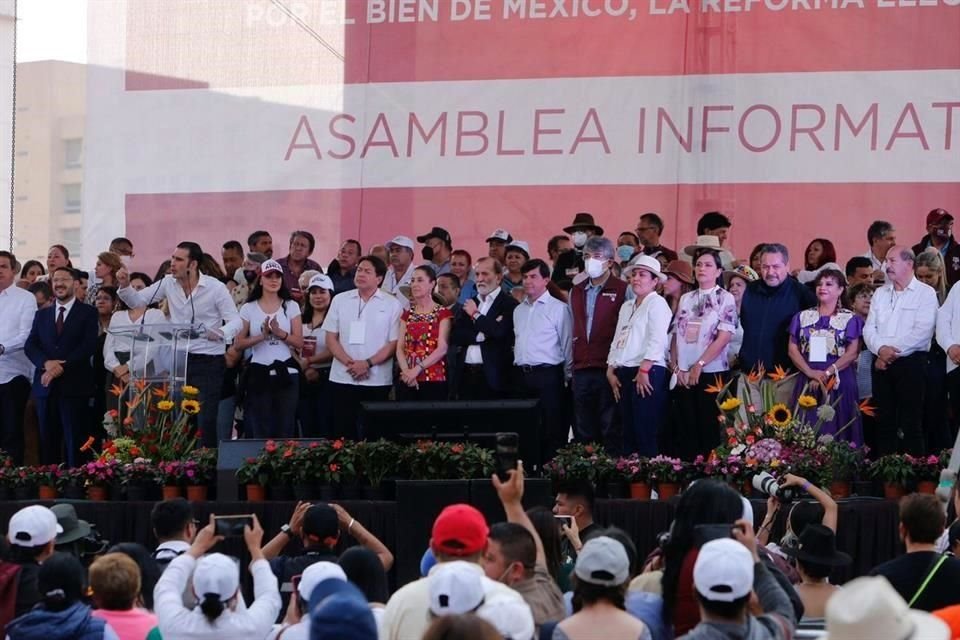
870	607
818	545
680	270
582	222
647	264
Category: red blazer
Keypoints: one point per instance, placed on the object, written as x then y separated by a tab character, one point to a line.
591	351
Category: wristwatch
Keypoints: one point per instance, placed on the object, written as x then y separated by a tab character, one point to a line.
701	363
287	529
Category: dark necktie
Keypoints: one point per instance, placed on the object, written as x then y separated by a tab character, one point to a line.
60	320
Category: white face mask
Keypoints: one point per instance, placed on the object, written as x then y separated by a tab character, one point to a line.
594	267
579	238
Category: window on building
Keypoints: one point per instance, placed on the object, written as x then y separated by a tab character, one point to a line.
71	198
73	153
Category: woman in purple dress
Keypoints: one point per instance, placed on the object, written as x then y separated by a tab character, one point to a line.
824	344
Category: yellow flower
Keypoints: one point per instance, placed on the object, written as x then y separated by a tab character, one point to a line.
774	463
190	392
165	405
730	404
807	402
190	406
780	415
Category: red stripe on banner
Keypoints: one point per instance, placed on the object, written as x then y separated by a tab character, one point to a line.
792	213
182	44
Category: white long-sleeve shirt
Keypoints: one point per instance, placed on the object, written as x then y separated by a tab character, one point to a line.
211	307
177	622
948	324
642	332
17	308
144	352
905	320
543	329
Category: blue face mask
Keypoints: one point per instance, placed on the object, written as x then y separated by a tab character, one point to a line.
624	252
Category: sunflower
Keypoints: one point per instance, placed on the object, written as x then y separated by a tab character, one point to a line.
165	405
192	407
807	402
780	415
730	404
189	391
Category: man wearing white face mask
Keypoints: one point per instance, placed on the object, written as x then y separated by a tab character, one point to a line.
569	265
595	305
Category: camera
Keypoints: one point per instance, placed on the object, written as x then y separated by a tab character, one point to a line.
766	483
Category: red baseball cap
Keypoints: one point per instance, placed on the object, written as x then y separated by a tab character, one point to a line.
937	216
459	530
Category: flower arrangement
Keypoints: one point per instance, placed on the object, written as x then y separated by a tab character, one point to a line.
254	470
50	475
339	458
377	460
894	468
156	426
925	468
844	460
579	461
100	473
430	460
632	468
666	469
203	463
139	471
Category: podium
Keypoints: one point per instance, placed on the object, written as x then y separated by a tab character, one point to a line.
155	353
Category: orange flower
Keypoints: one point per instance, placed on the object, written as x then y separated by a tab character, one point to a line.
116	391
717	385
140	384
161	392
867	409
756	375
778	374
831	383
88	444
337	444
128	421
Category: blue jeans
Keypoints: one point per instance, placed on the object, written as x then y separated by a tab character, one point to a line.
272	413
642	416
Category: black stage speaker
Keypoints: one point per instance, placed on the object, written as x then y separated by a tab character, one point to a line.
455	420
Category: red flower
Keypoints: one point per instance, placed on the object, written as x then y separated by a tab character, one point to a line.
251	460
334	467
588	448
134	451
113	413
288	453
314	445
271	446
338	444
456	448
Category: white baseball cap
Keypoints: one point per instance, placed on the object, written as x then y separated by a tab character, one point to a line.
270	265
511	617
519	244
723	571
33	526
500	234
455	588
317	573
400	241
322	281
218	574
603	561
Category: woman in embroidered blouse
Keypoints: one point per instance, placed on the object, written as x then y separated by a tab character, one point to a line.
705	321
636	367
422	347
824	343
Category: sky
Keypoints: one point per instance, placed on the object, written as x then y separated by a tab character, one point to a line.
52	30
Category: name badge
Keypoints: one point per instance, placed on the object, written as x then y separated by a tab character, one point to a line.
692	333
358	330
818	348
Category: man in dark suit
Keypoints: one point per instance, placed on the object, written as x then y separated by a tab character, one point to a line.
61	345
484	331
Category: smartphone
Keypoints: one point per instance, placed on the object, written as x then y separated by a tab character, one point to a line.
704	533
564	520
295	581
507	454
230	526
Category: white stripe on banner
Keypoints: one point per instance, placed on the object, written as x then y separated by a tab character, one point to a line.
792	128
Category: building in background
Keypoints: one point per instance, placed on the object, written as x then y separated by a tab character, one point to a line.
48	187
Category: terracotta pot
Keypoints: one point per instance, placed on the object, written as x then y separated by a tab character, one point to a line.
666	490
840	489
893	490
47	492
924	486
197	493
172	491
256	493
640	490
96	493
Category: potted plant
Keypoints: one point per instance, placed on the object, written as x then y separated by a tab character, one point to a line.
668	473
171	478
635	471
376	460
282	468
98	475
138	478
926	471
895	471
23	481
306	469
48	480
429	460
341	476
577	461
476	462
844	462
71	485
198	472
254	474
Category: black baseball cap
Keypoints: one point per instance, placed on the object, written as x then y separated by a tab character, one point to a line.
321	521
437	232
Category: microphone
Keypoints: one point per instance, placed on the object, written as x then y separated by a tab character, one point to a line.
193	333
141	336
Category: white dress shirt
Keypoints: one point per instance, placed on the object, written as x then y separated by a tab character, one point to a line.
474	354
392	285
642	332
543	333
948	324
876	263
143	354
67	306
904	319
178	622
363	328
17	309
211	307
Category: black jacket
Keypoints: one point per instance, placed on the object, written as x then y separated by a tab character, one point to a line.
497	346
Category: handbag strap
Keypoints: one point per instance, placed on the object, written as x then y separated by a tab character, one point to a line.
927	580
